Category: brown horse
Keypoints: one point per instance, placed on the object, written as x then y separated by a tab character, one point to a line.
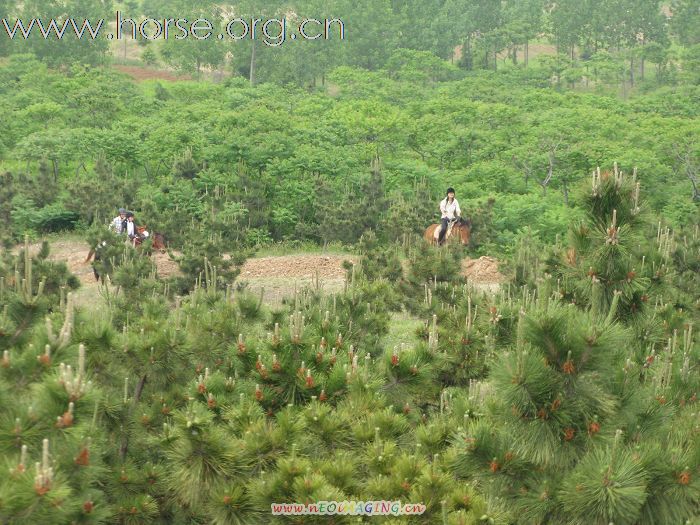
157	242
157	239
462	229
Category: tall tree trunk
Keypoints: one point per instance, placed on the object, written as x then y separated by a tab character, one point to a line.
632	70
124	447
495	58
252	63
468	53
515	54
527	51
624	87
550	169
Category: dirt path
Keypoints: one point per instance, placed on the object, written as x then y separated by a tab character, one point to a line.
73	252
277	277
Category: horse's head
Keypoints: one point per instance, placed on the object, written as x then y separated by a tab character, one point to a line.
464	227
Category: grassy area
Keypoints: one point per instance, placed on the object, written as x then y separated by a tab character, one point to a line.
402	330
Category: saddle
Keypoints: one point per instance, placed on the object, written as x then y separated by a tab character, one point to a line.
436	233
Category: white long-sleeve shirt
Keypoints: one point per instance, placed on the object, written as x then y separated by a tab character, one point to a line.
130	228
450	210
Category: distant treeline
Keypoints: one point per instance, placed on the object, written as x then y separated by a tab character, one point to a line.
623	41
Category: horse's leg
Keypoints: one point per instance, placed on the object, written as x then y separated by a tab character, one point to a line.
94	267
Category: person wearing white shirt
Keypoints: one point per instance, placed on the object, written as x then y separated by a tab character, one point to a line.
130	226
119	222
449	210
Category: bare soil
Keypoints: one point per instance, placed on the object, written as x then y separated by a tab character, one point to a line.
296	266
142	73
74	252
276	277
483	270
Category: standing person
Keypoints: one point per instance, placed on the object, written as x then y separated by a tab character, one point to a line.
118	224
449	210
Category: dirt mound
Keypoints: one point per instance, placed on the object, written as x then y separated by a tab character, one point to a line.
295	266
483	270
165	265
278	278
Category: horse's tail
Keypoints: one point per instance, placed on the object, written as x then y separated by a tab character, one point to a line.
90	255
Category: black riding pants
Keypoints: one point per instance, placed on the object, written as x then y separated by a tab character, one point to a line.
443	229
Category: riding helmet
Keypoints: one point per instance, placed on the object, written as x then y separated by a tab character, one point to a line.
450	190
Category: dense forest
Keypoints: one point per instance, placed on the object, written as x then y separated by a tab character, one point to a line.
566	394
289	160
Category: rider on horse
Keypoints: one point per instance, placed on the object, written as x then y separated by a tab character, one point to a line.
131	226
450	211
136	234
118	224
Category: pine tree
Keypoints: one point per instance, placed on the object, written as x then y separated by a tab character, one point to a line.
607	253
207	408
575	419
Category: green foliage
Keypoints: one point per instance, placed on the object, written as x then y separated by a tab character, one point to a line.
368	151
69	48
210	407
605	487
378	261
567	396
562	431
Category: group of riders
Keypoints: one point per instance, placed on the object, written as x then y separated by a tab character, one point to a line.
450	214
125	223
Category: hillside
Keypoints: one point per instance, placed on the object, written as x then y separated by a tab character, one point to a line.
287	345
405	383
